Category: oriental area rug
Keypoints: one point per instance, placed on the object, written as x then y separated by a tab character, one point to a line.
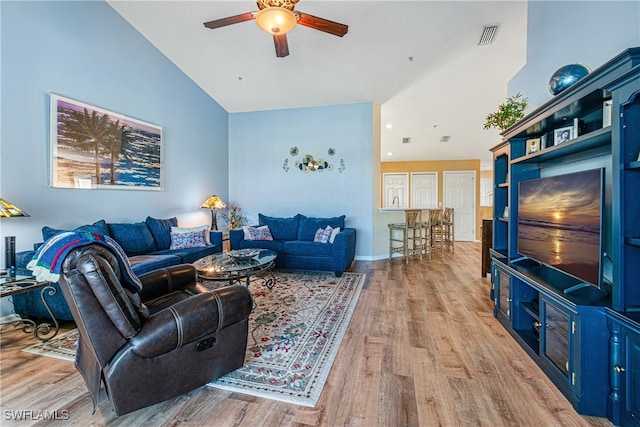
295	331
62	346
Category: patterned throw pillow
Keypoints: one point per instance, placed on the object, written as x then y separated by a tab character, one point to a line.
258	233
323	235
194	239
200	228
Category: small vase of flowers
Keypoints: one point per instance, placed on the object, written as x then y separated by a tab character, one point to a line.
234	217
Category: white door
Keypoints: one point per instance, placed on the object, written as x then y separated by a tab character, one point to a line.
460	194
424	190
395	190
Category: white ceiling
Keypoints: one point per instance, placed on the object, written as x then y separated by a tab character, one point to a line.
419	60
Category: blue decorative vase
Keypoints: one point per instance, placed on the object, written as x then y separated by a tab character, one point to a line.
567	76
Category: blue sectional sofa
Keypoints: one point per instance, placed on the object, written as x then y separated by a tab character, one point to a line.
147	245
293	241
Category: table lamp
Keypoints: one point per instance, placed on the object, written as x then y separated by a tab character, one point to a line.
7	210
214	203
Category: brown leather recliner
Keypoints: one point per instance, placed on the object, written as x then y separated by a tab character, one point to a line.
171	337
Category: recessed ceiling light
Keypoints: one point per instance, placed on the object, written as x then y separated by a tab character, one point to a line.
389	125
389	153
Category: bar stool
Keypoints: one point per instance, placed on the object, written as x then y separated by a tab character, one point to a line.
426	235
411	232
437	229
448	229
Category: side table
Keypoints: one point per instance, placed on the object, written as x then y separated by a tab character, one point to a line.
18	284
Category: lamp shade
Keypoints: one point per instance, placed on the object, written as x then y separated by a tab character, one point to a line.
214	202
8	210
276	20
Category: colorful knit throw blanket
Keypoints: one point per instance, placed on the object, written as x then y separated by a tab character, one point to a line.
46	264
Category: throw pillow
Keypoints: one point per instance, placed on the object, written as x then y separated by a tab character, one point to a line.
192	239
282	228
334	233
323	235
135	239
201	228
258	233
161	230
309	225
99	227
245	230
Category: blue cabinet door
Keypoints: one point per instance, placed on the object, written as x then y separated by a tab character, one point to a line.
629	371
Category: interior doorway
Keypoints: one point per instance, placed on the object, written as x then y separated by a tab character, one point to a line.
424	190
459	188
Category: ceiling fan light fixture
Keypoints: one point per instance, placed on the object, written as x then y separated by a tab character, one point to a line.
276	20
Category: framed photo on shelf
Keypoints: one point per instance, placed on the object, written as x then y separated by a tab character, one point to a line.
543	142
533	145
505	213
563	135
638	159
607	110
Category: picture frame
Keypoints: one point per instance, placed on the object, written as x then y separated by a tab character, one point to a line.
505	213
95	148
638	159
563	134
533	145
607	113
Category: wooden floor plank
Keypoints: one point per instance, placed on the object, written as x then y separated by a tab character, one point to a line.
422	349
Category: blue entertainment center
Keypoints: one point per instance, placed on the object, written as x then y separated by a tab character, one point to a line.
566	277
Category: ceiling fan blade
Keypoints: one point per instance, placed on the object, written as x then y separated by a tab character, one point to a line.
282	47
236	19
321	24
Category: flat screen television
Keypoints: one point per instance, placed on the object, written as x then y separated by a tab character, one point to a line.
560	223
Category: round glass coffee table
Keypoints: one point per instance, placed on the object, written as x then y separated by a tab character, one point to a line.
236	265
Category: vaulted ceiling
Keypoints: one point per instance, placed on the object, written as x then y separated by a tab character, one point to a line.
420	60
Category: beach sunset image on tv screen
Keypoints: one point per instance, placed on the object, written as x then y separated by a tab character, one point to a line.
559	222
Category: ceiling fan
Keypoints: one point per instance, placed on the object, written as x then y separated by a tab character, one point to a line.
277	17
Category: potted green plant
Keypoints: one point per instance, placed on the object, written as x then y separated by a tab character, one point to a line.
234	217
508	113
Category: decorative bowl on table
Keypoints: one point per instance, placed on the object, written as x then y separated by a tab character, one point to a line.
243	255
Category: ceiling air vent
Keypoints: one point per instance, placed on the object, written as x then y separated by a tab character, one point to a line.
488	33
445	138
406	140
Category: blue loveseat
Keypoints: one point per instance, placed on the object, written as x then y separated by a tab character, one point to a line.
147	245
293	241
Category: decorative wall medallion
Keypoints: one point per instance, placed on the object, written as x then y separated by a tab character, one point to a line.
331	151
342	166
309	164
285	165
293	151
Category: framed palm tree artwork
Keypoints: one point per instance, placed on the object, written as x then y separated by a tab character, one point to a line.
94	148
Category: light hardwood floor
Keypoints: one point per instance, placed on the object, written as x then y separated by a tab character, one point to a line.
422	349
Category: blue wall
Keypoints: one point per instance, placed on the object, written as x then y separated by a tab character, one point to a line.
568	32
87	51
260	143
